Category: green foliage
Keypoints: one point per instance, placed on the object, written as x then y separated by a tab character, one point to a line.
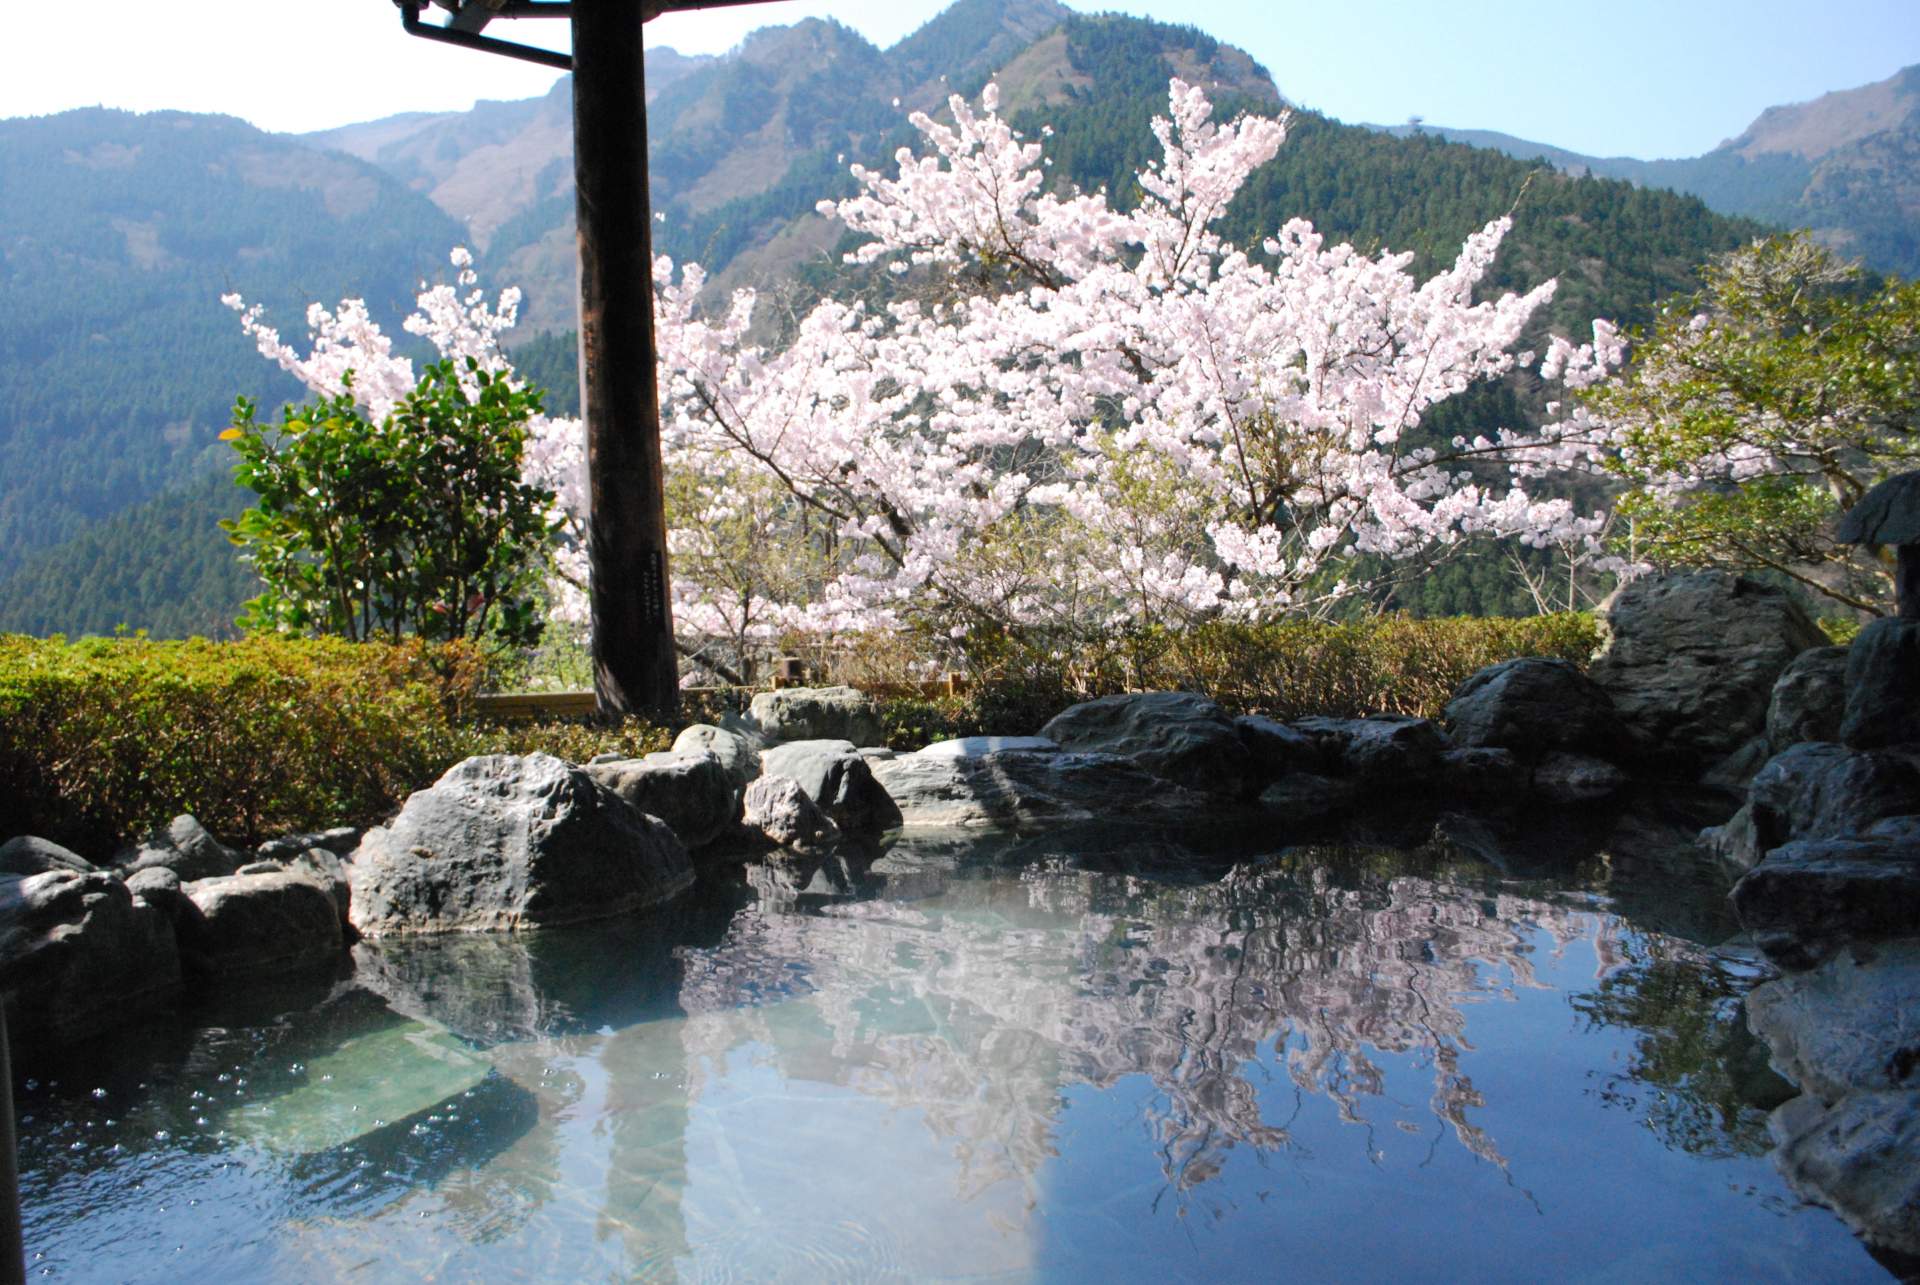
1702	1077
419	524
1840	630
916	721
1288	669
104	738
575	740
1789	356
1386	665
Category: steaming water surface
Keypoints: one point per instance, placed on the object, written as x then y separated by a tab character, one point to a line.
1080	1057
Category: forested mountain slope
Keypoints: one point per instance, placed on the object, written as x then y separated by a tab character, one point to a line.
163	566
118	234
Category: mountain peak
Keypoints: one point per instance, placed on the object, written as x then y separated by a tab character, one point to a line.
1832	121
970	37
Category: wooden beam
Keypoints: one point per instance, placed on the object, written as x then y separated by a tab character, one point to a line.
635	670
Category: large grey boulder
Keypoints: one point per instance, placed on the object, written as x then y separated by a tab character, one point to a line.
835	775
690	790
1387	749
27	855
79	951
1177	736
185	847
1533	706
504	842
1737	843
1806	899
1576	778
779	810
1278	748
1818	790
258	924
1852	1023
1690	662
1808	699
738	751
1016	788
1484	772
1883	686
818	714
1859	1157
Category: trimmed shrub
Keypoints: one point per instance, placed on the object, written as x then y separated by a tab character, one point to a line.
1389	665
1287	669
102	738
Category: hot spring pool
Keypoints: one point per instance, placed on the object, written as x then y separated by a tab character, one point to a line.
1085	1056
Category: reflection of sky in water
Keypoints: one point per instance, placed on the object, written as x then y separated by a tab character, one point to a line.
1332	1064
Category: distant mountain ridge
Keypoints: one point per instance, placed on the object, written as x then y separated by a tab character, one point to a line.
1846	165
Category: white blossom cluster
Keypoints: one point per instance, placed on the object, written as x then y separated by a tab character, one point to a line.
1081	417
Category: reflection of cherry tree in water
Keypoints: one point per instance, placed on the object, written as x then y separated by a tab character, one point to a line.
978	1005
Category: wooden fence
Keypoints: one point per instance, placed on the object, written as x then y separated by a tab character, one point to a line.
515	707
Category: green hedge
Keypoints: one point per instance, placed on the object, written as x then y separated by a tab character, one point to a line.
1288	669
103	738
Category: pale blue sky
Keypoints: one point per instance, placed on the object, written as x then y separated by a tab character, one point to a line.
1633	77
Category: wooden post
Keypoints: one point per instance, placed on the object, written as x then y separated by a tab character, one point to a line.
634	670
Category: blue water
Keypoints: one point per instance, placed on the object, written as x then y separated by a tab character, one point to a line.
1080	1057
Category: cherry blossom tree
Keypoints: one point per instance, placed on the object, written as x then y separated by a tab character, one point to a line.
1080	418
1113	416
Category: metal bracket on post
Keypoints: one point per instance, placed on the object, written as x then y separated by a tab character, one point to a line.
463	28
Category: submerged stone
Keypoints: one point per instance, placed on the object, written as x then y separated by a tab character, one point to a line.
1853	1023
1859	1157
384	1076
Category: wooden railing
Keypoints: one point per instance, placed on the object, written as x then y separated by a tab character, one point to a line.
526	706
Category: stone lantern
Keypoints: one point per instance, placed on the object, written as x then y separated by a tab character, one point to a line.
1890	514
